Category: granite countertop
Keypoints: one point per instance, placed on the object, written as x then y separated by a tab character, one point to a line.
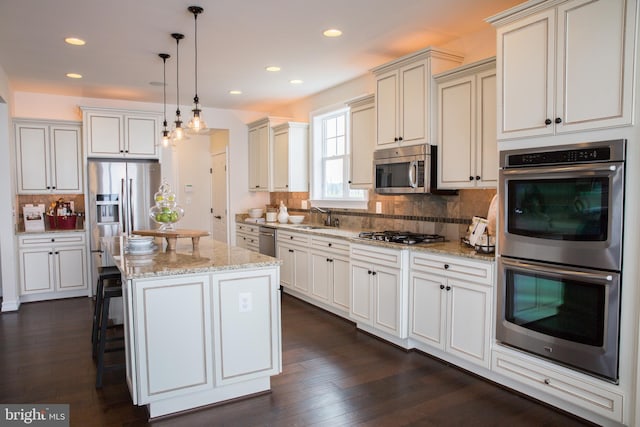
454	248
211	256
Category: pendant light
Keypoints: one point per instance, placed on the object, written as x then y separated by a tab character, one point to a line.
178	131
196	124
165	131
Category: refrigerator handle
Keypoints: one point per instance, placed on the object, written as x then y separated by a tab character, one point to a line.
131	207
124	207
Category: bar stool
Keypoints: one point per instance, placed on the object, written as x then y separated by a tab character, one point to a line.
110	274
109	290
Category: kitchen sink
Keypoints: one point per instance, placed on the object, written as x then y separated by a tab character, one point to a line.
310	227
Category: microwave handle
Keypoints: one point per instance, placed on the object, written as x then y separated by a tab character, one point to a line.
413	174
552	169
540	269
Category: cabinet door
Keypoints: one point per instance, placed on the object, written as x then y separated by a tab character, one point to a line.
486	149
593	92
321	276
428	302
456	133
387	108
286	254
469	321
361	293
32	155
259	158
413	108
141	136
281	161
105	134
388	310
362	146
340	295
71	268
66	160
174	341
525	67
301	270
36	270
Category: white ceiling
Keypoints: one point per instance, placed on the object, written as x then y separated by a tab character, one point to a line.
237	39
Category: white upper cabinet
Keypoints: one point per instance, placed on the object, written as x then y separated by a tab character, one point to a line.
564	69
259	156
290	157
114	133
48	157
467	153
363	141
403	96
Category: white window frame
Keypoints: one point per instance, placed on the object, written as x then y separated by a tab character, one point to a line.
317	156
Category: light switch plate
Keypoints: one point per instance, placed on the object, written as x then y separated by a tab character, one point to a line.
378	207
305	205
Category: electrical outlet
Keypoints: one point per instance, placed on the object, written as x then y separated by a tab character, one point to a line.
245	302
305	204
378	207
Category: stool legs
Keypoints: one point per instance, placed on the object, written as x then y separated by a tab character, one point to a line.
102	339
96	317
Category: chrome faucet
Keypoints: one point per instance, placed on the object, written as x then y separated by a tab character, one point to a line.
327	220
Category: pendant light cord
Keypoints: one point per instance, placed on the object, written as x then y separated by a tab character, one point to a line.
196	45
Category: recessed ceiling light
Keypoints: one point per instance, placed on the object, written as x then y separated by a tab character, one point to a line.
296	82
273	68
74	75
332	32
75	41
235	92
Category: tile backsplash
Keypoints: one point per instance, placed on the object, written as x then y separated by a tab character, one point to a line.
424	213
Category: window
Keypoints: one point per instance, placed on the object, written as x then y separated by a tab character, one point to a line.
331	162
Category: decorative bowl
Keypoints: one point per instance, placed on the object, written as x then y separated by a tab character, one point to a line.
166	216
255	212
296	219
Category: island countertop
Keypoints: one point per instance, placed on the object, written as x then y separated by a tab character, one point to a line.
210	256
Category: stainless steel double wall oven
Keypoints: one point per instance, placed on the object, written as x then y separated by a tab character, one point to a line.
560	244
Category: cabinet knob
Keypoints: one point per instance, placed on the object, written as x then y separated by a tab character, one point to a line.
291	250
399	138
441	286
369	272
53	240
448	288
327	259
50	253
291	237
446	266
349	181
330	260
395	139
547	122
477	177
257	186
53	188
126	151
122	151
558	120
329	244
374	273
547	381
470	178
57	252
48	188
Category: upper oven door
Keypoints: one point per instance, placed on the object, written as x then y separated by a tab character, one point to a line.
566	214
401	175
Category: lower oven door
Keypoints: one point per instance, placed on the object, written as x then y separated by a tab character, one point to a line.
566	314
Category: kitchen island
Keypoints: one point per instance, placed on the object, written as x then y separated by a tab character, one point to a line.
201	325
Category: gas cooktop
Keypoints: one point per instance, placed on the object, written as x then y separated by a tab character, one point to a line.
405	237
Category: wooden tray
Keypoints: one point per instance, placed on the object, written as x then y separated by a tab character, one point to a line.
173	235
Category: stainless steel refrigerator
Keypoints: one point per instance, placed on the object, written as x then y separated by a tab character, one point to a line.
120	195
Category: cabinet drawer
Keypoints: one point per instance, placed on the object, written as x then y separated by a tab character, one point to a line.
377	255
48	239
589	394
333	246
451	266
297	238
247	228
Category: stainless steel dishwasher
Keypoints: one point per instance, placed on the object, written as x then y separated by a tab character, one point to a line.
267	241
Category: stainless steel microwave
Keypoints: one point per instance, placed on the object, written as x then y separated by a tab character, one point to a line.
403	170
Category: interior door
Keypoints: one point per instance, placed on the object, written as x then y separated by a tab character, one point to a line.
219	196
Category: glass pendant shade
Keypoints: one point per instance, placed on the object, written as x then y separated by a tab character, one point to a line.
177	133
197	123
165	131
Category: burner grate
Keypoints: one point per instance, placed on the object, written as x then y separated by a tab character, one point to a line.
404	237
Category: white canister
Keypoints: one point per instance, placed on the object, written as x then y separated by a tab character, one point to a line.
272	216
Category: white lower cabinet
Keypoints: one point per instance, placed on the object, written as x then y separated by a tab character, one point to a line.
449	310
193	340
559	383
247	236
330	272
52	266
292	249
379	289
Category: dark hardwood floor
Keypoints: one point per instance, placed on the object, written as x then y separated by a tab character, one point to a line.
333	375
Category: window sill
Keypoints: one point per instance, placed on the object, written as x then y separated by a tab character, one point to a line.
340	204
